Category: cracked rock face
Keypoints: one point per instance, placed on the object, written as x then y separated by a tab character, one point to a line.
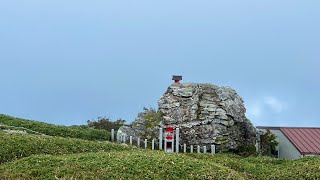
207	114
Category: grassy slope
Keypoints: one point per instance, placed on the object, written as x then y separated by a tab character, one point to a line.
140	164
45	157
80	132
116	165
16	146
268	168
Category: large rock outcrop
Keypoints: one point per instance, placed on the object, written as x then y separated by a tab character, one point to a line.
207	114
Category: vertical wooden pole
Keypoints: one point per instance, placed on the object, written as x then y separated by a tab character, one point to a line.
131	140
191	149
145	143
177	140
198	149
112	135
204	149
184	148
160	138
138	142
152	144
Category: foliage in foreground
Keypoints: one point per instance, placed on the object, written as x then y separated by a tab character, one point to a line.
140	164
16	146
136	164
267	167
81	132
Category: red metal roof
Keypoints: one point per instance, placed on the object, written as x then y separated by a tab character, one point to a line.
305	139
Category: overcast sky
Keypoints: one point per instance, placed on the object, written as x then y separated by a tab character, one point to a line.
65	62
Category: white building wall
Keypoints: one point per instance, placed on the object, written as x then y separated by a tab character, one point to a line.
286	148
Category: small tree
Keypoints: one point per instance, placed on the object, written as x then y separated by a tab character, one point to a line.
268	142
106	123
150	119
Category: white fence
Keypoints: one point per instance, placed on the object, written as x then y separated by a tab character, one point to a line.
162	143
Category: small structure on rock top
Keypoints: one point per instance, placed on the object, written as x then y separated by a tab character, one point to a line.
176	78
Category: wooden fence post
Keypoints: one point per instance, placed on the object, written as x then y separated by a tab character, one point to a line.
191	149
184	148
138	142
204	149
198	149
152	144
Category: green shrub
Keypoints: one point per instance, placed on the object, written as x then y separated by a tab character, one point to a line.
81	132
16	146
246	151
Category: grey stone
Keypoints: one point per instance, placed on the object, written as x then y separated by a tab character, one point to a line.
207	114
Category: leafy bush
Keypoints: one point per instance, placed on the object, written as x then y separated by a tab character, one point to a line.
246	151
106	124
81	132
268	142
16	146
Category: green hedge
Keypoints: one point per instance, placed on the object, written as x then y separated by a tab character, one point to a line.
15	146
81	132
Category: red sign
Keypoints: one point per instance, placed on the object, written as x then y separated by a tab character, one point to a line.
169	132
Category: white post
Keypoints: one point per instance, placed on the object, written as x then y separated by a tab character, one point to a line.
191	149
138	142
204	149
198	149
131	140
145	143
124	138
177	140
184	148
152	144
118	137
112	135
257	146
160	138
213	149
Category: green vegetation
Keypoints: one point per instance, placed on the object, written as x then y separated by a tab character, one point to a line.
267	167
106	123
268	142
16	146
35	156
117	165
140	164
81	132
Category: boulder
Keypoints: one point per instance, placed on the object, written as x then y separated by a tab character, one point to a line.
207	114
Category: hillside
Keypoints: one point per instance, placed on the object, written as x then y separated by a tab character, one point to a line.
81	132
33	156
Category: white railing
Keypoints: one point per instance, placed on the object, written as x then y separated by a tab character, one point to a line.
160	145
